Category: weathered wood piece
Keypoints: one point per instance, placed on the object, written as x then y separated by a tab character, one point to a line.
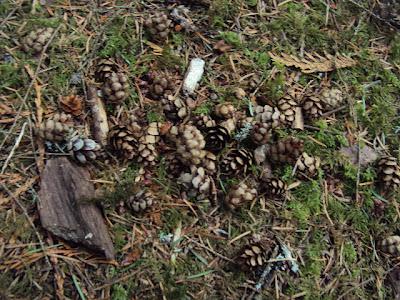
63	211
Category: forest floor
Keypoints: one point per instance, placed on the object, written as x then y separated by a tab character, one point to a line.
186	249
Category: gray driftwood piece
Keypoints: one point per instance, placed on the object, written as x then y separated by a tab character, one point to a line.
63	186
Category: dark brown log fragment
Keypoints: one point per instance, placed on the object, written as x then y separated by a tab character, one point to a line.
64	211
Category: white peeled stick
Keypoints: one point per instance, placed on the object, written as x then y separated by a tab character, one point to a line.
193	75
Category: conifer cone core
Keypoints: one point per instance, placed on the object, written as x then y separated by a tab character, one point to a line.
36	40
123	142
239	195
115	88
389	173
56	128
159	26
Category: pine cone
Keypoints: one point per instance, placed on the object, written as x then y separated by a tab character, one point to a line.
269	115
174	166
333	98
287	106
239	195
312	107
389	173
261	133
391	245
72	104
147	145
123	141
174	108
56	128
140	201
236	161
225	110
115	88
256	253
83	149
159	26
197	182
202	122
216	138
286	151
308	165
137	122
209	163
105	68
190	145
162	87
229	124
274	187
36	40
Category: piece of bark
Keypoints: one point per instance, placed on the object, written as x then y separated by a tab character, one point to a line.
99	115
64	187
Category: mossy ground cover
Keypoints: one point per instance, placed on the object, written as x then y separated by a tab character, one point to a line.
185	249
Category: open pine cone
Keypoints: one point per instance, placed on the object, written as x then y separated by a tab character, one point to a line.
123	141
115	88
312	107
147	145
36	40
140	201
286	151
159	26
190	145
308	165
269	115
273	187
137	122
237	161
175	109
105	68
162	87
216	138
256	253
202	121
287	106
198	183
83	149
261	133
239	195
56	128
389	173
72	104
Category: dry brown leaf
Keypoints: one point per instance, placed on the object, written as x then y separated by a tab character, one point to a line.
314	62
131	257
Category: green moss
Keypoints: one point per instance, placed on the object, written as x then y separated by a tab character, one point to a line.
223	11
231	38
119	292
349	253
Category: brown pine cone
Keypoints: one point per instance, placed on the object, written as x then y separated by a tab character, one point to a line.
261	133
174	166
105	68
123	141
198	183
147	145
269	115
159	26
162	87
312	107
389	173
36	40
83	149
287	106
72	104
175	109
391	245
216	138
286	151
308	165
239	195
237	161
229	124
273	187
140	201
137	122
332	98
256	253
190	145
115	88
202	121
56	128
224	110
209	163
